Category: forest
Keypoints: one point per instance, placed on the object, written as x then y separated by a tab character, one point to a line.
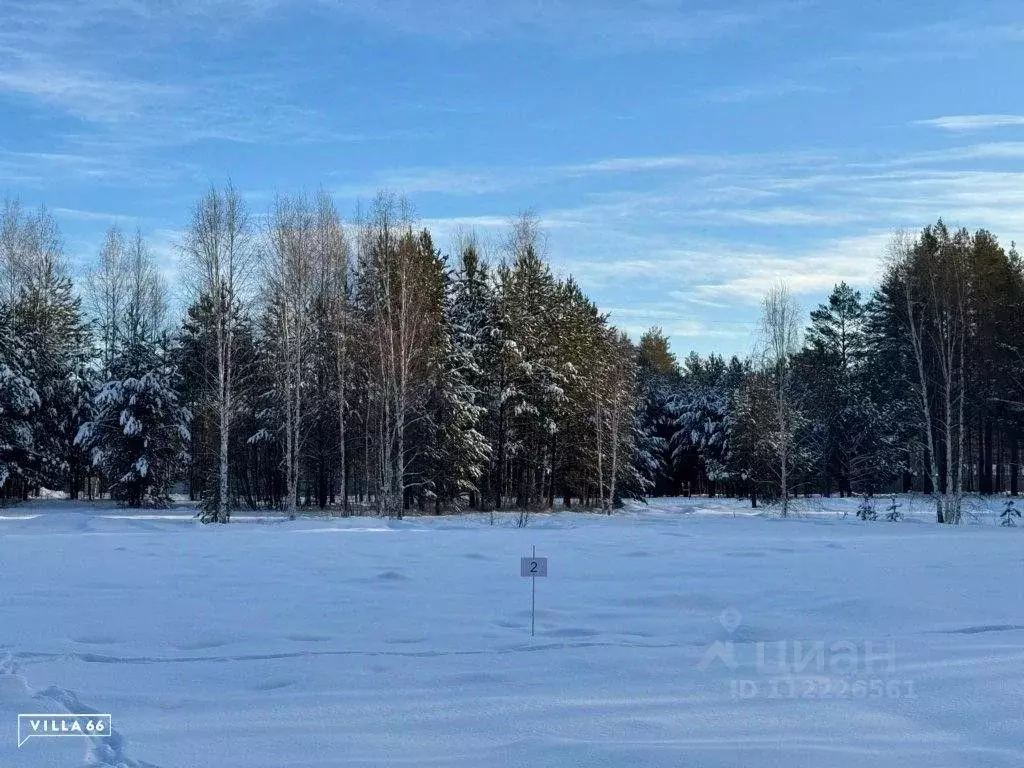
352	366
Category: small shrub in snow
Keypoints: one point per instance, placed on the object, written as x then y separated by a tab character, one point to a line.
894	515
866	510
1009	514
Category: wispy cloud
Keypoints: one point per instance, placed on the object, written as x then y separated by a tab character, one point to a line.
965	31
573	24
77	214
809	224
88	95
676	322
964	123
812	271
661	226
35	167
468	181
762	91
95	62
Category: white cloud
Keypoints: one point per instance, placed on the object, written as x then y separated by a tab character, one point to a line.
762	91
89	95
964	123
787	216
77	214
573	25
691	240
694	241
683	328
855	260
95	62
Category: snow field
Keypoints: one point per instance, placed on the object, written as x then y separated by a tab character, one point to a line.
367	642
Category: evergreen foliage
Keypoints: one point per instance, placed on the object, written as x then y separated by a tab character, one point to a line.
339	367
1010	514
866	509
139	433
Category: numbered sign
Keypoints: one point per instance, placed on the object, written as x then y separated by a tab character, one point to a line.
533	566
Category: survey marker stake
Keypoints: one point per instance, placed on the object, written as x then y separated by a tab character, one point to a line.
533	567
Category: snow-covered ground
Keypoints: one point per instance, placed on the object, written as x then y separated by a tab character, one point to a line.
688	633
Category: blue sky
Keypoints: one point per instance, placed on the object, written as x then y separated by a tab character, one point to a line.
682	156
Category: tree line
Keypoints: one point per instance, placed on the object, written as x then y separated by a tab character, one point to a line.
353	366
318	364
917	387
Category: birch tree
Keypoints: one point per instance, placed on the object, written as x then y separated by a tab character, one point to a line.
13	250
402	298
780	341
106	294
934	275
138	433
291	250
218	258
616	406
334	259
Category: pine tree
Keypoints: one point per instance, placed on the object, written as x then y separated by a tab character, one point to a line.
827	370
656	354
886	381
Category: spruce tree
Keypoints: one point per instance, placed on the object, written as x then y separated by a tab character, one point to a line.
18	404
471	323
48	320
866	509
456	451
659	383
140	434
1008	517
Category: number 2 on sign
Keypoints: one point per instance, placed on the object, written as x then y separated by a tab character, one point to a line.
534	567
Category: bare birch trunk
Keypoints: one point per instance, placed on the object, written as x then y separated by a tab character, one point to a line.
599	425
217	257
899	252
613	429
224	408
